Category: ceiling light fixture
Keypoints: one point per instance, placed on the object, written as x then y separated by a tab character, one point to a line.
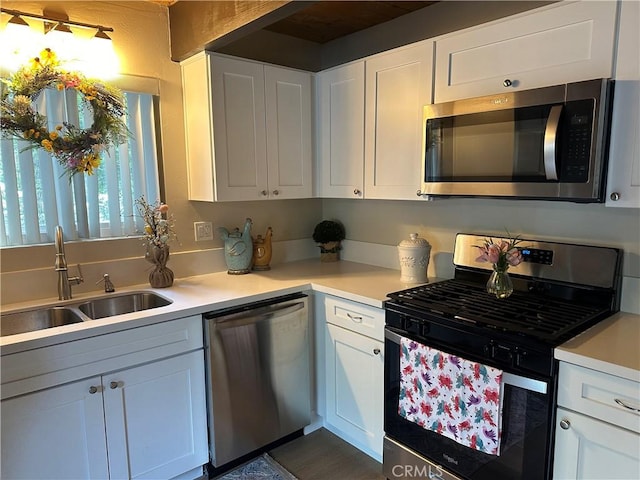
17	20
102	35
52	23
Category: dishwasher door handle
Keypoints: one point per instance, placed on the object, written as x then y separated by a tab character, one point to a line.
258	315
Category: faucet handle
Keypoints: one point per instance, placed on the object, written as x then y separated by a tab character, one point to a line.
77	280
108	284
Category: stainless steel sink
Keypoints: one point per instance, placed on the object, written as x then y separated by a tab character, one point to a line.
120	304
55	316
38	319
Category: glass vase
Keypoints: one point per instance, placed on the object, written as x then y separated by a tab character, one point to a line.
499	284
160	276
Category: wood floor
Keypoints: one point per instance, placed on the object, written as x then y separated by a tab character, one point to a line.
323	456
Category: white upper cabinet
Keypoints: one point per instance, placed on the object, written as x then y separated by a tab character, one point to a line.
623	184
562	43
370	124
340	106
248	129
398	85
289	146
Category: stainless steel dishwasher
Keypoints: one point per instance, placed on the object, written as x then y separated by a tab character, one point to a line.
258	375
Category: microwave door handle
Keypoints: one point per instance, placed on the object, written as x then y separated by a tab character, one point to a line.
550	136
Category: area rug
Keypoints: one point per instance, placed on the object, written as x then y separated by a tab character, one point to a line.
260	468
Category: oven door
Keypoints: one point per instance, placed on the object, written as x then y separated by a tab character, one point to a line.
525	443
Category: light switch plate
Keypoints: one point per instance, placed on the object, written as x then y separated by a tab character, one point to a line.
203	231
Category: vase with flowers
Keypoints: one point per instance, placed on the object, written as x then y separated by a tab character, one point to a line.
502	253
158	231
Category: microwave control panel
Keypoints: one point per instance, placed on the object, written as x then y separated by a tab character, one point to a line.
576	148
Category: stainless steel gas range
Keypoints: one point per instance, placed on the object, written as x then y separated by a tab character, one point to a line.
434	331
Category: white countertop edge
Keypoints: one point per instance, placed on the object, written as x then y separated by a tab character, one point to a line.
373	302
598	365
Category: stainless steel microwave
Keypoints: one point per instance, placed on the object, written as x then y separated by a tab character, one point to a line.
549	143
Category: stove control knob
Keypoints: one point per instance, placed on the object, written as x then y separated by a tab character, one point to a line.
490	350
519	357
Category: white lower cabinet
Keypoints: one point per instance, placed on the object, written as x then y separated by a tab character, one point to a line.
587	448
155	417
355	374
55	433
597	426
147	421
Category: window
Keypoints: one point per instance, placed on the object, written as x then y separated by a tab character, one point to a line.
36	195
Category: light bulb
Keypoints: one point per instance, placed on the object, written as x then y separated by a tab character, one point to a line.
19	42
101	58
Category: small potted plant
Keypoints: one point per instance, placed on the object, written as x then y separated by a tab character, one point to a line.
328	234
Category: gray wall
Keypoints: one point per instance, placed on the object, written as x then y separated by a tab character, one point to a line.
389	222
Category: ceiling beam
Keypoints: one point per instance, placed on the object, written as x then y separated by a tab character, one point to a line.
207	25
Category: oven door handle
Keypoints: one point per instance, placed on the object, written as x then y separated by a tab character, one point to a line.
507	378
524	383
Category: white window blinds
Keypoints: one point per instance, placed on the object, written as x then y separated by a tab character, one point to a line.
36	194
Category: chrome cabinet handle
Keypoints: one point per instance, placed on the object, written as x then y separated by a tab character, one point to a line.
565	424
507	83
93	389
355	318
113	385
615	196
276	192
623	404
356	191
264	193
419	193
376	351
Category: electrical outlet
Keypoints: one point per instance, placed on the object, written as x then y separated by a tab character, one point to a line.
203	231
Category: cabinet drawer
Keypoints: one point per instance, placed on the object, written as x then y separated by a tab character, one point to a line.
45	367
356	317
597	394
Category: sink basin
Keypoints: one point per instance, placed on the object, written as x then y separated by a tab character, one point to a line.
120	304
32	320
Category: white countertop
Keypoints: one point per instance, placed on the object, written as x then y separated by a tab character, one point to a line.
612	346
196	295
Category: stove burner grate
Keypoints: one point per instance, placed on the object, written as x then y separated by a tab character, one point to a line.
525	313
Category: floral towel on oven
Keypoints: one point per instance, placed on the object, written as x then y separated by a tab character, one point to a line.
454	397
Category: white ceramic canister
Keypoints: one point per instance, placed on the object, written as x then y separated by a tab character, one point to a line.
414	259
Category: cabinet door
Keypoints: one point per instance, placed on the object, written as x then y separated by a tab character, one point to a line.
623	184
341	130
398	85
156	418
239	123
561	44
55	433
288	110
588	448
354	375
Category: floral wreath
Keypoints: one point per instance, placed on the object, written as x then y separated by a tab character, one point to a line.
77	149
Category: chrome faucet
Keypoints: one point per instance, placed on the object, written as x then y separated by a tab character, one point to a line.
64	281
